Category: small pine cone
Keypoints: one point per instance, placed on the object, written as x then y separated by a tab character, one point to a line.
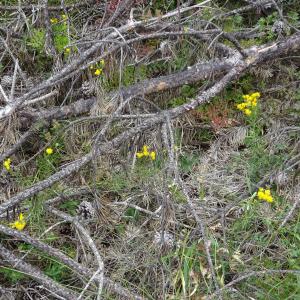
260	6
168	240
86	211
278	27
87	88
6	81
259	3
267	5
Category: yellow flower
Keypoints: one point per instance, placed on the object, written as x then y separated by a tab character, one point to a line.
49	151
67	50
139	155
265	194
102	62
247	98
250	101
254	102
260	195
20	223
268	192
241	106
145	150
152	155
53	20
256	95
64	17
98	72
6	164
268	198
247	112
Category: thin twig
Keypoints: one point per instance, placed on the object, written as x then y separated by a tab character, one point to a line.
6	99
13	86
87	238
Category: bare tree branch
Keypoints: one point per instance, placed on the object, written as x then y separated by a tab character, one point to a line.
79	269
56	289
257	55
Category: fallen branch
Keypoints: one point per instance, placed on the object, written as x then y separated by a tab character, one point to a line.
88	240
56	289
163	83
75	66
29	8
78	268
266	52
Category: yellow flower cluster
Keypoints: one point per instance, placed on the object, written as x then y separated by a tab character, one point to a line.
98	69
145	153
49	151
250	101
98	72
55	20
6	164
264	194
19	224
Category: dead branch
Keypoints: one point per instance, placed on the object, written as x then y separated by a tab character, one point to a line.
78	268
108	39
240	65
88	240
56	289
76	65
28	8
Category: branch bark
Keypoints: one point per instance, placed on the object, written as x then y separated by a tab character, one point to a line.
17	263
81	270
240	65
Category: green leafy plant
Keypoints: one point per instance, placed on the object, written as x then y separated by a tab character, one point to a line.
177	194
293	17
187	162
191	276
12	275
61	39
70	206
233	23
130	75
36	40
265	25
56	271
259	229
131	214
186	92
